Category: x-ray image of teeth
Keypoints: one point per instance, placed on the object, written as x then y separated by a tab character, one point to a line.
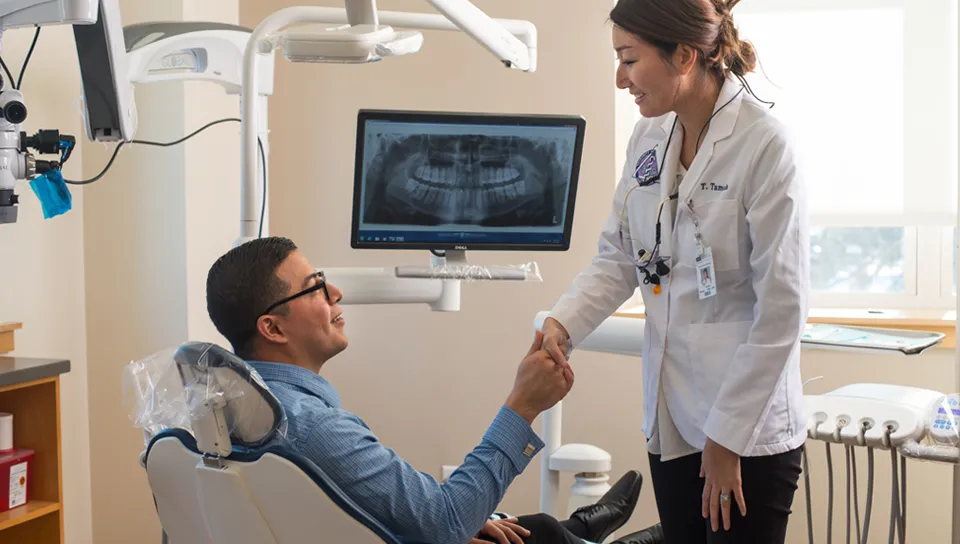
467	180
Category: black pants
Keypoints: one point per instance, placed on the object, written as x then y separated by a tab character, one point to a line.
545	529
769	483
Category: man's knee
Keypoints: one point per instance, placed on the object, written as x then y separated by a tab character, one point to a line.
541	523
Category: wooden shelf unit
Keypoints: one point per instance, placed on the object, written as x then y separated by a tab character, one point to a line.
35	406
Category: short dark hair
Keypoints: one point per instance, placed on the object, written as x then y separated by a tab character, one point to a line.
242	284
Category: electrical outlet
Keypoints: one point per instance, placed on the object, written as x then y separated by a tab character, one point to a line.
448	471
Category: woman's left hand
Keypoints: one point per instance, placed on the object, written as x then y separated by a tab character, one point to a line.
721	469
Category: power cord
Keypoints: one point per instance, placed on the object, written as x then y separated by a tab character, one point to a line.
7	72
26	61
263	201
17	82
116	150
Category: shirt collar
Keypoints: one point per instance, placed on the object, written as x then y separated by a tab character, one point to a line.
300	377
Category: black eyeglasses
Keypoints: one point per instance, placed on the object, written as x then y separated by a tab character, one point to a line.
321	284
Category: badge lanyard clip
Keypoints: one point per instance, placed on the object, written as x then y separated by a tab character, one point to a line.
706	278
697	237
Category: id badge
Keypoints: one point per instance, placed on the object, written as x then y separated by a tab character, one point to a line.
706	280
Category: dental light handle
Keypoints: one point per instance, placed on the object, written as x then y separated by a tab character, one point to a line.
466	272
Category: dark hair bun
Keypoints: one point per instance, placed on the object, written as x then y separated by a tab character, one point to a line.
736	55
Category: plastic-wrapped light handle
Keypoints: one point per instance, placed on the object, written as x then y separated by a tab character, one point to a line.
526	272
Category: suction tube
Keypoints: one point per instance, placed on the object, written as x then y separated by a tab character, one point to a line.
846	451
856	499
829	495
894	498
896	512
898	499
869	507
903	498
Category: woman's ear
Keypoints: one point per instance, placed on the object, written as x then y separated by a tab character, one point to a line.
685	58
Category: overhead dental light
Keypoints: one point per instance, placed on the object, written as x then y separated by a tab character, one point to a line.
348	44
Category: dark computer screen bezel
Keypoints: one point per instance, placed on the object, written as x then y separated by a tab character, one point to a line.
466	118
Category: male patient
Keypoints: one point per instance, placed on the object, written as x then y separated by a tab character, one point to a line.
281	316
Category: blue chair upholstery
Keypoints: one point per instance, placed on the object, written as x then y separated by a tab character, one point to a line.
308	467
261	492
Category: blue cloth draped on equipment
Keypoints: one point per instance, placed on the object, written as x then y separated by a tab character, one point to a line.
53	193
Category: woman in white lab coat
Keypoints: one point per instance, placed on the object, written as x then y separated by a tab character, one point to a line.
709	221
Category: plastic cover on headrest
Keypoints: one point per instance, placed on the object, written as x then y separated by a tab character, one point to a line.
174	387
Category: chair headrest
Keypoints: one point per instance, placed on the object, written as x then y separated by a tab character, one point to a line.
175	388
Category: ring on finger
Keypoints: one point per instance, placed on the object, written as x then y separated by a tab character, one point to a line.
725	497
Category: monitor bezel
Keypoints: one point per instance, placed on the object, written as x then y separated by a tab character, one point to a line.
365	115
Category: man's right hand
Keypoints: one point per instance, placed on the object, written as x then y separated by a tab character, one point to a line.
540	384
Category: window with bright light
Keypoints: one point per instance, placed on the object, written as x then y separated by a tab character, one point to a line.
869	92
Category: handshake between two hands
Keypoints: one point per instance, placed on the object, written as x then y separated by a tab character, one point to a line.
544	376
544	379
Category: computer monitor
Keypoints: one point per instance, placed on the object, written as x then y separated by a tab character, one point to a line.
459	181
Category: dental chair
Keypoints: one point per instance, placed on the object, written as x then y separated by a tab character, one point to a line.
218	463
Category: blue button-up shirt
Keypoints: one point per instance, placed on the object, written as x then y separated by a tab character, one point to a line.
410	503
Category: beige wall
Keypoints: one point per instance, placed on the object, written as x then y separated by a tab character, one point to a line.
212	175
41	270
134	245
153	226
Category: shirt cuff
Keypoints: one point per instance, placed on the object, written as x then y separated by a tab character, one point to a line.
570	318
512	435
728	432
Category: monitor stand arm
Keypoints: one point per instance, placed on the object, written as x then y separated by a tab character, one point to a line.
437	285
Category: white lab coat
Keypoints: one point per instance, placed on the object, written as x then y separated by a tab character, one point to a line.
726	367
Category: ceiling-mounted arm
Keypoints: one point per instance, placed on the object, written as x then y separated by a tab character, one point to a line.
522	32
197	51
362	12
487	32
361	43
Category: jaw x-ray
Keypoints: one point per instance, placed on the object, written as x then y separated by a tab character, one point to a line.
466	179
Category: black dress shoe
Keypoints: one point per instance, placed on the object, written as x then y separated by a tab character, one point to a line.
650	535
613	509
